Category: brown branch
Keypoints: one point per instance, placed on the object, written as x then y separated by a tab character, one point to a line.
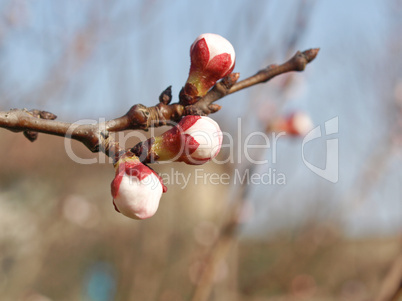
22	120
140	117
94	137
297	63
391	288
218	252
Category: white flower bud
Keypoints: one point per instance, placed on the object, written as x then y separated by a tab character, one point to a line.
136	189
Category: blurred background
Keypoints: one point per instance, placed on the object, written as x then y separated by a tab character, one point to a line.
298	238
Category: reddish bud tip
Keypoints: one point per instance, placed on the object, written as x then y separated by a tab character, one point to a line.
212	58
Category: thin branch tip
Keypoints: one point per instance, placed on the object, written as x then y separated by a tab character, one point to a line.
311	54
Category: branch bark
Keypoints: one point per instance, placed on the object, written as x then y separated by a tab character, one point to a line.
139	117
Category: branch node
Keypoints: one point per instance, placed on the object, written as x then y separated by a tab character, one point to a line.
32	135
138	116
188	95
200	109
214	108
230	80
144	152
300	61
110	147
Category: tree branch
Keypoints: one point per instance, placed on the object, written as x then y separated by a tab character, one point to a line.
391	288
23	120
139	117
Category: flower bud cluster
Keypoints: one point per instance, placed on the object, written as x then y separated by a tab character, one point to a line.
137	189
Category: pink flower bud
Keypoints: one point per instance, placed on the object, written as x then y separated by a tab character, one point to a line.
299	124
212	58
203	139
296	124
136	189
194	140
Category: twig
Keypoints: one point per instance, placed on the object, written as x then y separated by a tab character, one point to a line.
225	241
391	288
217	254
139	117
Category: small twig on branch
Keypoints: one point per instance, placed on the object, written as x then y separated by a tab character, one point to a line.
140	117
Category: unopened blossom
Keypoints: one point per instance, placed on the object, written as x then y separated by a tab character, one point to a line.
136	189
212	58
296	124
194	140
